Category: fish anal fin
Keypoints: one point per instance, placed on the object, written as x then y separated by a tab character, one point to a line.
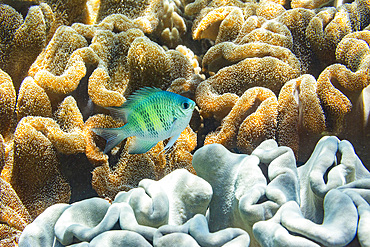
140	146
113	136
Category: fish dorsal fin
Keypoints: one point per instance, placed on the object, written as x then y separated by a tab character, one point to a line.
141	94
119	112
123	111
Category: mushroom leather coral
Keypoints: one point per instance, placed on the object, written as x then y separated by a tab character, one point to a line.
251	120
7	104
145	14
23	40
300	113
56	69
220	24
35	155
219	93
14	216
36	142
32	100
351	78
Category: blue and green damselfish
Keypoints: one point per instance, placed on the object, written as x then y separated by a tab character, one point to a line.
151	115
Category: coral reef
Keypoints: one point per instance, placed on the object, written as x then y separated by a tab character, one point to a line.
351	77
346	170
57	69
219	93
172	26
44	185
299	114
178	213
243	180
23	38
32	100
145	14
252	118
270	79
264	194
34	151
7	104
14	216
130	169
330	25
338	227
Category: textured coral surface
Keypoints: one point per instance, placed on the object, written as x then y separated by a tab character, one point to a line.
291	72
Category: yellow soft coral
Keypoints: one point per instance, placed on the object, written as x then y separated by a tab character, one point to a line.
32	100
145	14
23	40
218	94
250	121
338	85
300	115
60	67
219	24
325	31
14	217
35	156
7	104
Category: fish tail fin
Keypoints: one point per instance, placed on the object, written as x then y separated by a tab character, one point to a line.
113	136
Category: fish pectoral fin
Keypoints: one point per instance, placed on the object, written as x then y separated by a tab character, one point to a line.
140	146
172	141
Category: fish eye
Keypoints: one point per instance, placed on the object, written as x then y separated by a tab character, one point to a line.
185	105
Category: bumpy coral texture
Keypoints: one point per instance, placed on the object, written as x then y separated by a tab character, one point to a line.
14	216
7	104
352	75
32	100
23	38
253	118
145	14
299	114
250	200
130	169
35	191
56	69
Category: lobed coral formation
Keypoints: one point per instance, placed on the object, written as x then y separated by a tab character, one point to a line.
351	75
249	200
7	104
23	38
288	71
177	213
299	114
252	118
14	216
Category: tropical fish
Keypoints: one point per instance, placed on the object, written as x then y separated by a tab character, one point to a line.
151	115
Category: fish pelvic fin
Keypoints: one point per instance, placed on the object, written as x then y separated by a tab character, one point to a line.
171	142
113	136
